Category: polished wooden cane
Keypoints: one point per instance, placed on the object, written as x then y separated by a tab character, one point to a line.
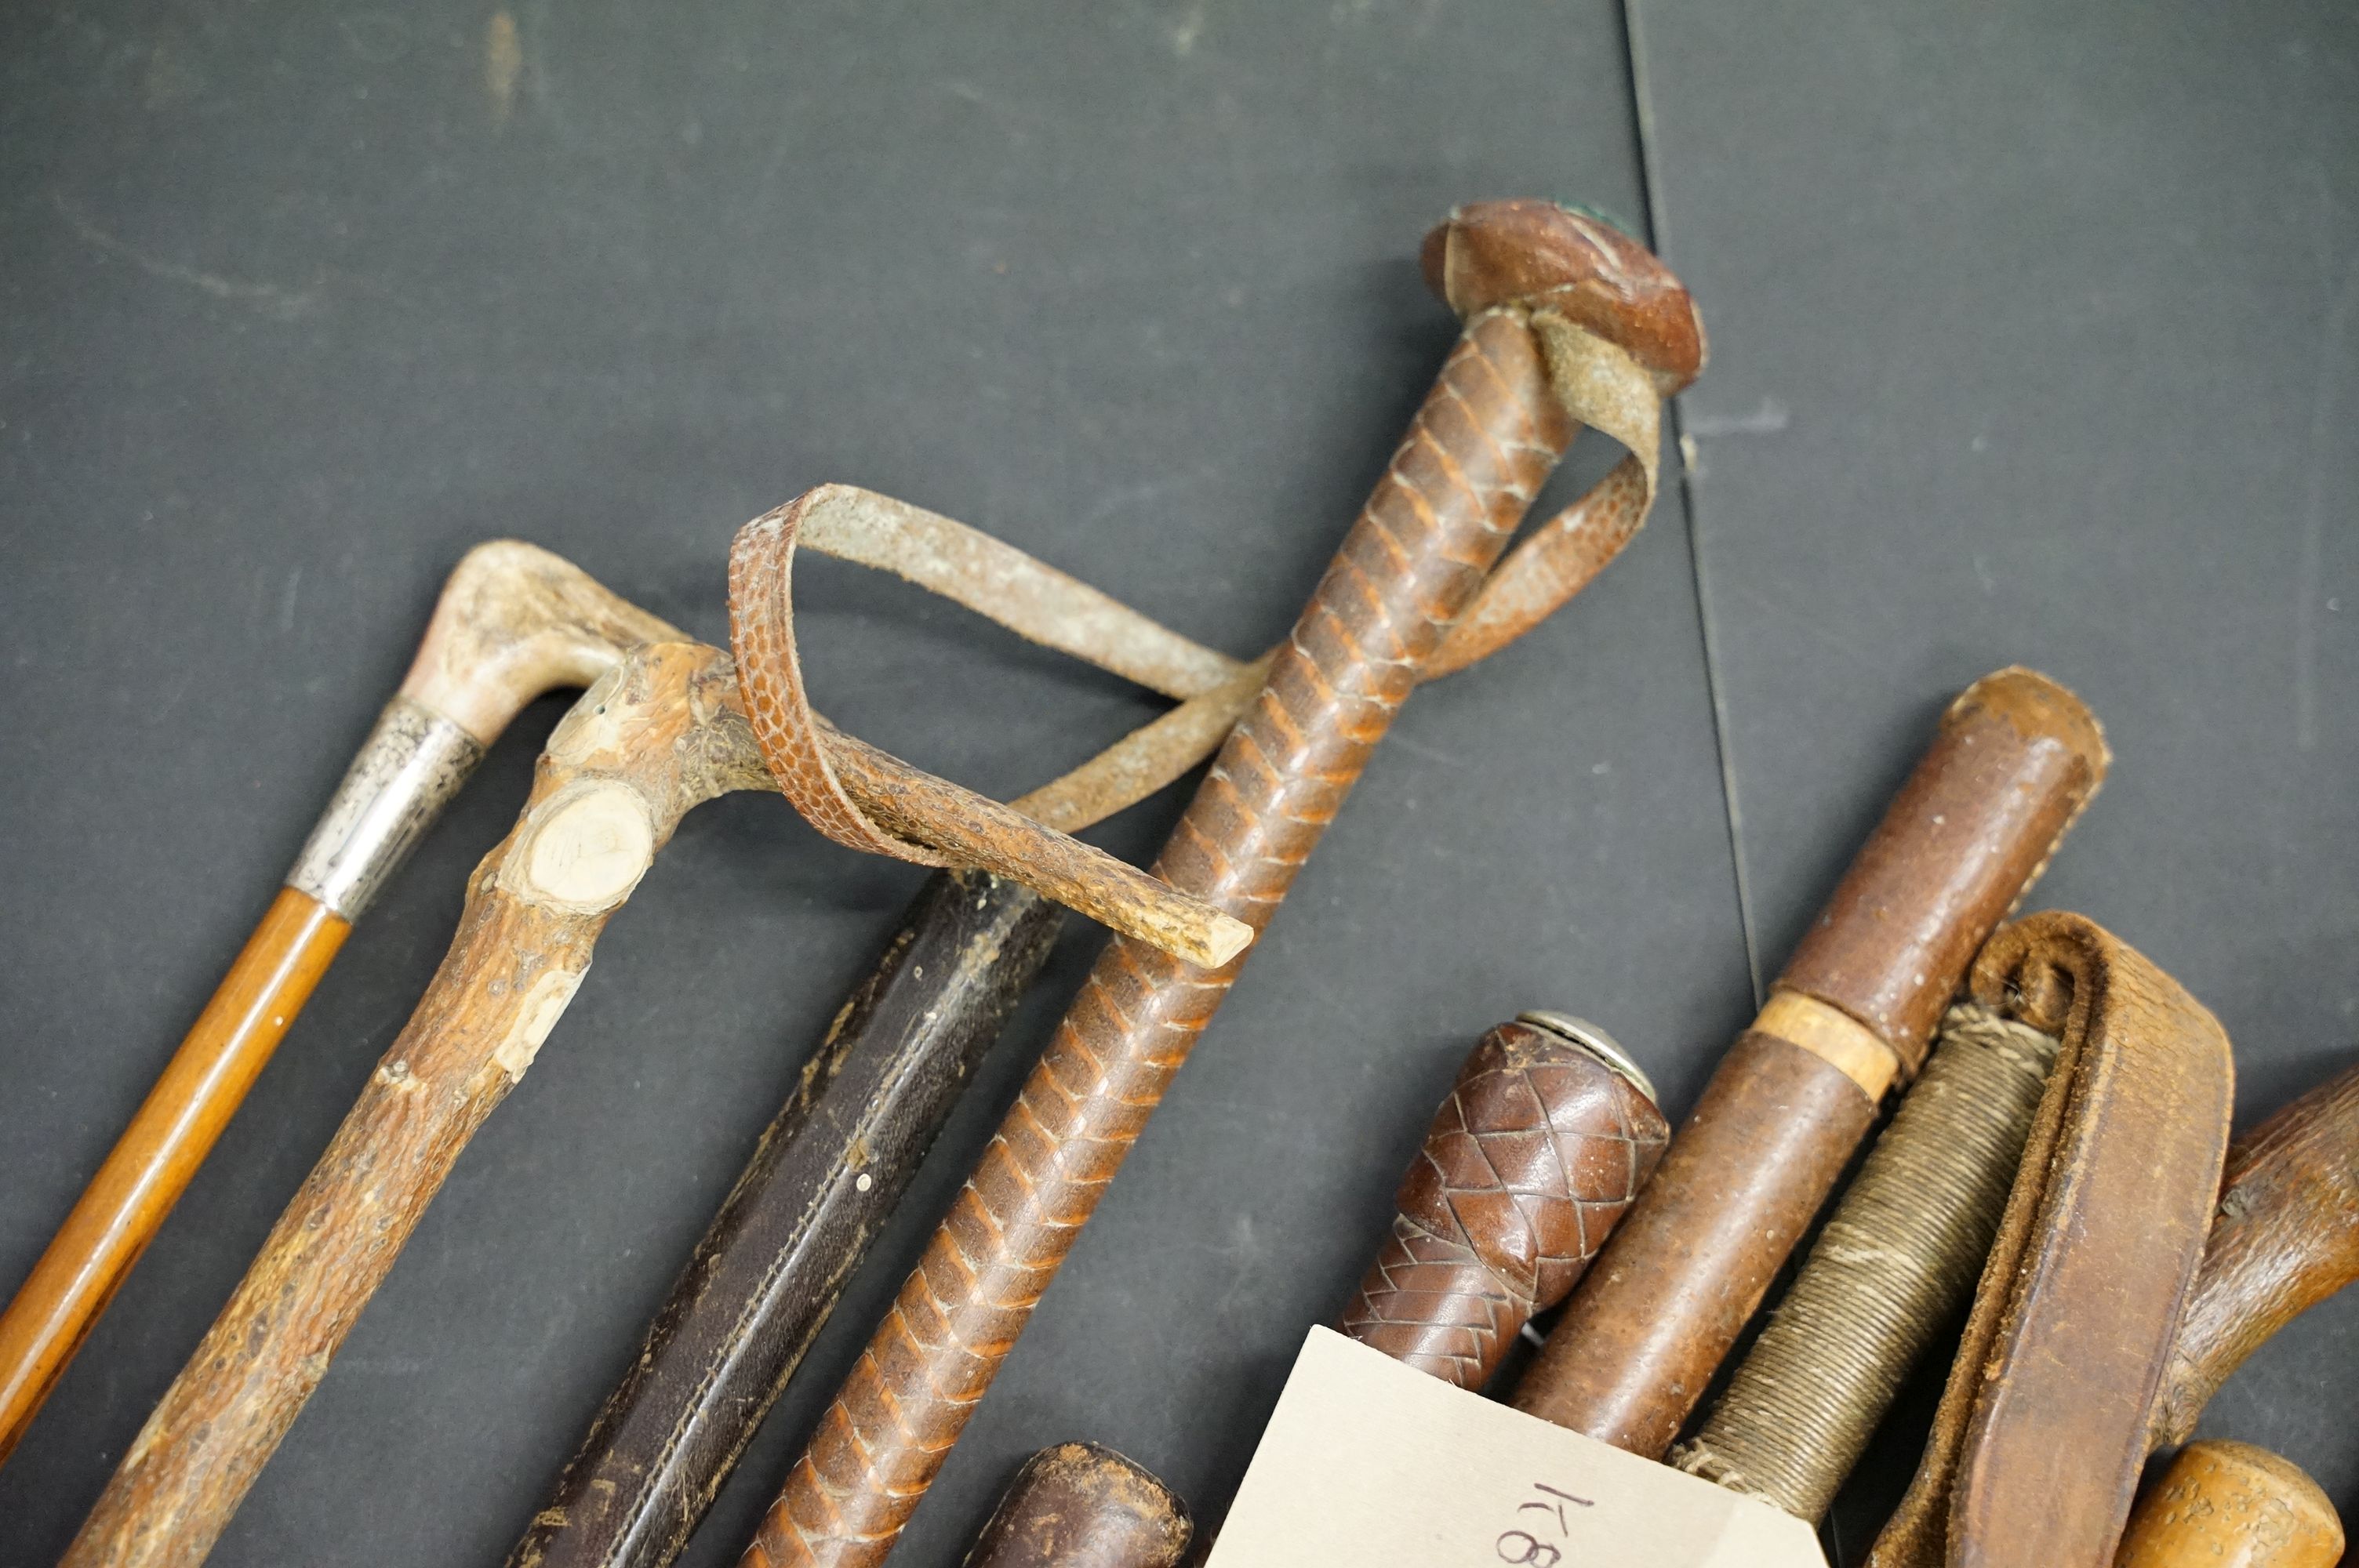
513	621
1562	314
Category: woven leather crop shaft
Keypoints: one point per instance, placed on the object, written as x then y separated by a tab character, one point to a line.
1485	440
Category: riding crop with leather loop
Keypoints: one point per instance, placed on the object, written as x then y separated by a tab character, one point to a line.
1567	322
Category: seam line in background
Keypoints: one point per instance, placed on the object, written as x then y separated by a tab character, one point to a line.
1650	214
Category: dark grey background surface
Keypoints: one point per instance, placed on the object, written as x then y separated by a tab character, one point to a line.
2034	342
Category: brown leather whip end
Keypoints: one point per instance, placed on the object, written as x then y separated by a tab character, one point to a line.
1078	1504
2230	1505
1544	1141
1549	258
2015	760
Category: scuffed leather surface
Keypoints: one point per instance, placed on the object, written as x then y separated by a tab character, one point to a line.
2041	1432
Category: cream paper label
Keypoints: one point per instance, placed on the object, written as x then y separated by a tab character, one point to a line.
1376	1464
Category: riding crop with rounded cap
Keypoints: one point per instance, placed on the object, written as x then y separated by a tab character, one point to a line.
1567	321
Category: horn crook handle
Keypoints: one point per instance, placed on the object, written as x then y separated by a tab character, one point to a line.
1476	453
513	622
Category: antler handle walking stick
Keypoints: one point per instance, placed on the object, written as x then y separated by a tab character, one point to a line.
1546	1137
1560	311
2015	760
513	621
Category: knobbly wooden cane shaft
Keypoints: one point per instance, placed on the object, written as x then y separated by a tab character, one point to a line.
765	1276
1475	456
513	621
2015	760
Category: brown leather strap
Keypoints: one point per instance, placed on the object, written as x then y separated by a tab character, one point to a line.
820	770
2041	1432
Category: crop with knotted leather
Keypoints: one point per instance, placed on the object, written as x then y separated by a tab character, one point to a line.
1530	1161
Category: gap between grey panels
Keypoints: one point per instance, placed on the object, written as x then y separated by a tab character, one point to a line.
1650	215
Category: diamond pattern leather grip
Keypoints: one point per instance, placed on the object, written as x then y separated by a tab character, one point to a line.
1487	437
1529	1165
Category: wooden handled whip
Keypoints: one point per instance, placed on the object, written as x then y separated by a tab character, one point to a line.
513	621
1566	320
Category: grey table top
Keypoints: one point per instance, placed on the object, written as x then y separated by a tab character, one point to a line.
2034	342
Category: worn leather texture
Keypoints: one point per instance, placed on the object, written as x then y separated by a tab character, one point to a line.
2013	763
2042	1429
828	1171
1078	1504
1529	1163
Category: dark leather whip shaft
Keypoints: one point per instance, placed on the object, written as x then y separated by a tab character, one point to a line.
1078	1504
1538	1150
2016	758
1482	444
828	1171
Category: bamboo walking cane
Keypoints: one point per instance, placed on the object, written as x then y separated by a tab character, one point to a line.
657	735
513	621
1566	320
765	1275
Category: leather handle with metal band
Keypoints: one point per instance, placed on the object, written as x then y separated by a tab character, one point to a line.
2230	1505
1888	1272
2015	760
1581	318
2042	1429
1546	1137
1078	1504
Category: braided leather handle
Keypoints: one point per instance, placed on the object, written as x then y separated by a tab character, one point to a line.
1529	1162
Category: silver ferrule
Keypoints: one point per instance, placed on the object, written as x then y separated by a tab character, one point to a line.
413	761
1595	1041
